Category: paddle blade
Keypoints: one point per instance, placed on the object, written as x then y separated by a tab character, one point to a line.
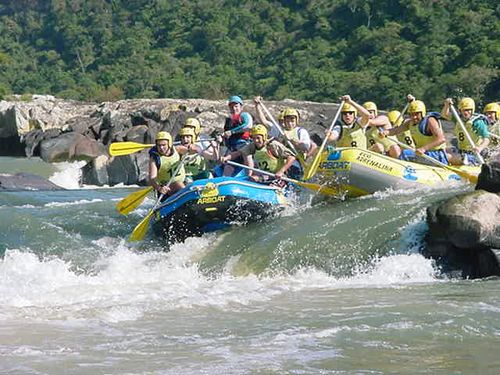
126	148
142	228
311	169
326	190
472	178
132	201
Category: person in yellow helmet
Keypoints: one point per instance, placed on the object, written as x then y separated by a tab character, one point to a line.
492	112
476	126
396	119
194	123
164	159
375	141
269	155
349	131
426	131
195	164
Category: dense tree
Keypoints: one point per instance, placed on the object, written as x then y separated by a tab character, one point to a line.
303	49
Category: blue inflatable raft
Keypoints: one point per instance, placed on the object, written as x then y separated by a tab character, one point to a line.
211	204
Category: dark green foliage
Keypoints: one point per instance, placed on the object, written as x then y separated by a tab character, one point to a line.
312	50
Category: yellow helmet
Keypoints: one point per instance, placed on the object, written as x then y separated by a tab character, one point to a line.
395	118
493	107
349	108
371	106
194	123
417	106
162	136
291	112
467	103
281	115
259	129
187	131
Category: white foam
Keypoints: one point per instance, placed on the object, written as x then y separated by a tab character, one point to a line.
68	175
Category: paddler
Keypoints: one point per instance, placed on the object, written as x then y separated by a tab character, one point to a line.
164	160
375	141
195	164
426	131
268	154
492	112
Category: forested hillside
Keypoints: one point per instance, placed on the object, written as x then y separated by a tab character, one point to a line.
311	50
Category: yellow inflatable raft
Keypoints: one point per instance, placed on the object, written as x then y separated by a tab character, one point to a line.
360	172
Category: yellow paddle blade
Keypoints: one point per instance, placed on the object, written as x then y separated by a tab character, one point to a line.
326	190
132	201
311	169
464	174
126	148
142	228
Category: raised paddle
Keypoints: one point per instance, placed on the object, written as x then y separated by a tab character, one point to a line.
468	176
311	170
298	155
466	133
132	201
315	187
142	228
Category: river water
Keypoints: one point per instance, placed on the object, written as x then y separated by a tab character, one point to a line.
333	288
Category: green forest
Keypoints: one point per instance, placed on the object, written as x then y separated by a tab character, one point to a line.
103	50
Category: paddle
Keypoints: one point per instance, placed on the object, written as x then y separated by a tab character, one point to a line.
311	170
468	176
142	228
315	187
298	155
132	201
466	133
127	148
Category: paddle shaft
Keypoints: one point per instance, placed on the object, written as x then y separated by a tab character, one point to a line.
275	123
466	133
259	171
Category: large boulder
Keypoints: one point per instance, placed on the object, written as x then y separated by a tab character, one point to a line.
489	178
70	147
464	234
25	181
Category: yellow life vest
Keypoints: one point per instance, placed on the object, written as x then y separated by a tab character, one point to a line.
267	161
293	135
495	129
168	165
352	136
463	143
373	136
422	139
405	137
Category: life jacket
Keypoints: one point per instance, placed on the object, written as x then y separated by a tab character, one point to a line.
167	165
421	134
195	164
351	135
472	128
294	135
266	160
495	129
236	139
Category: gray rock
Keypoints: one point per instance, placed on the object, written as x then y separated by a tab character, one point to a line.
489	178
70	147
462	232
25	181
